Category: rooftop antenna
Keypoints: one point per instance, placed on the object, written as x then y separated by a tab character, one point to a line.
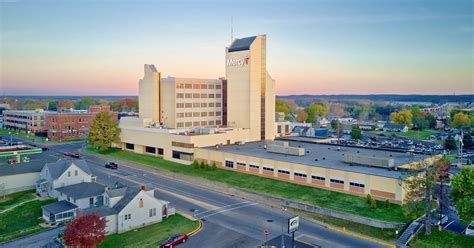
231	29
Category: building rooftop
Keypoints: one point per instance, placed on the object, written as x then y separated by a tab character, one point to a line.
241	44
82	190
59	207
326	156
57	168
21	168
38	111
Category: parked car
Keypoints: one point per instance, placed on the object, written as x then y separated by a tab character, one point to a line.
75	155
439	219
174	240
470	229
111	165
68	154
45	148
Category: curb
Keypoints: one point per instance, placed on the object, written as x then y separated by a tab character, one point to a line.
196	230
361	236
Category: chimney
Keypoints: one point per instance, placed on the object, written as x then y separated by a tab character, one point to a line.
142	187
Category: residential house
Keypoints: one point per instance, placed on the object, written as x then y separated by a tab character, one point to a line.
304	131
391	127
60	174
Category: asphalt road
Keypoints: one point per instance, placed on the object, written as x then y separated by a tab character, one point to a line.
229	221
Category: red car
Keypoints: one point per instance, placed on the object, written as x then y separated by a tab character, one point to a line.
174	240
75	155
69	154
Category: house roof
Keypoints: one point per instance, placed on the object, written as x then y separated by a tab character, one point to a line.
57	168
82	190
128	195
20	168
394	126
241	44
59	207
116	192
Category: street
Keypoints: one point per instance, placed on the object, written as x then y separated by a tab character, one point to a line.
229	221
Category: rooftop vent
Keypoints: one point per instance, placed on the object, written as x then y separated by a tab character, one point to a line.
282	147
369	161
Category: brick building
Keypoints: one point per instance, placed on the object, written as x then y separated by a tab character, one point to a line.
73	125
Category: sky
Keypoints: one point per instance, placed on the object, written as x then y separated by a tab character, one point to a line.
313	47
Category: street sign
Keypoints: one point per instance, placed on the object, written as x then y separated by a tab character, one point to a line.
293	224
265	232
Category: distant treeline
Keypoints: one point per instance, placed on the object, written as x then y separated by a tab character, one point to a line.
388	98
72	98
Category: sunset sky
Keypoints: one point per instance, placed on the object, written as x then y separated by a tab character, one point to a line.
313	47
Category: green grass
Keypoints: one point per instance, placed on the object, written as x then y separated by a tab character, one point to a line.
384	234
442	239
15	198
315	196
152	235
22	220
414	134
24	135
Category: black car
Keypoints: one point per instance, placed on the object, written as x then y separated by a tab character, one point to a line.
45	148
111	165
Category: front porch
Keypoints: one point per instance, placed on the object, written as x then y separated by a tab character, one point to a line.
59	211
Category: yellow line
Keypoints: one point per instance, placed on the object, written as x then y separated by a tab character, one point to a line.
361	236
196	229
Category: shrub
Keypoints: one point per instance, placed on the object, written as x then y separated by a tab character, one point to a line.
214	166
373	204
386	204
368	199
195	164
202	165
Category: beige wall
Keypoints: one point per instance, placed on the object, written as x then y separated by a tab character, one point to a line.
149	94
20	182
379	187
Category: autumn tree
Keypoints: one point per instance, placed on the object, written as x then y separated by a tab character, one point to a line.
85	231
402	117
460	120
315	110
301	115
125	105
419	119
462	193
66	104
104	131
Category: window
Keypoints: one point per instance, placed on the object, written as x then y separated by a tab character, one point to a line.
196	86
152	212
218	113
337	181
196	123
203	123
284	172
188	86
211	95
218	95
179	95
188	124
69	173
211	105
218	122
360	185
203	95
129	146
188	95
76	173
128	216
210	86
318	178
203	86
196	95
189	105
196	105
179	124
241	164
179	105
210	123
189	114
203	114
160	151
91	201
300	174
229	164
180	144
150	149
179	115
182	155
267	168
254	166
179	86
218	87
218	104
204	105
211	113
196	114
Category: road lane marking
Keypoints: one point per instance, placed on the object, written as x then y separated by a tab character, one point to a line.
449	224
226	206
361	237
226	210
188	199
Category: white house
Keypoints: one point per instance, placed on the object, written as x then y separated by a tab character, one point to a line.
60	174
391	127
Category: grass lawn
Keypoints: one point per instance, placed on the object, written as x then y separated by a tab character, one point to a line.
152	235
24	135
442	239
384	234
315	196
15	198
22	220
414	134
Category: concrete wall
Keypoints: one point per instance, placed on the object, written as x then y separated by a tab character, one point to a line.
20	182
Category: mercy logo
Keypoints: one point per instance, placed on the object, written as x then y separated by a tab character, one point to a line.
238	62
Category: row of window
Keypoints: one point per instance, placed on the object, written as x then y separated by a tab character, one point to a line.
64	215
198	105
75	173
152	150
197	123
197	95
198	86
241	164
229	164
336	181
198	114
284	172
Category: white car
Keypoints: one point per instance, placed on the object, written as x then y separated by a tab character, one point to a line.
470	229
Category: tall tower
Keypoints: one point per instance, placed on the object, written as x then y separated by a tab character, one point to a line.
149	94
250	89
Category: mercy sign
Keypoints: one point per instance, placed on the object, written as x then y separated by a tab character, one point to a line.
238	62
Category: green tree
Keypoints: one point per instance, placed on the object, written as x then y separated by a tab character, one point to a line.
419	119
356	133
467	141
282	106
314	110
460	120
431	121
104	131
450	143
402	117
86	102
462	193
53	105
